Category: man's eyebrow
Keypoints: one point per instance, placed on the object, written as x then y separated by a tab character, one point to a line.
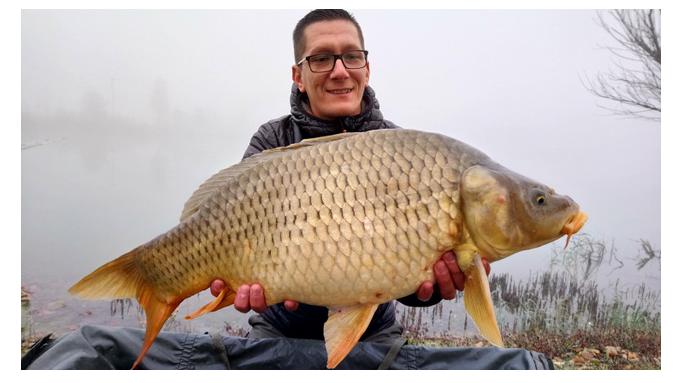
331	49
318	51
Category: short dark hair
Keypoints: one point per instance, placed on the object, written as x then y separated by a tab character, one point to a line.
320	15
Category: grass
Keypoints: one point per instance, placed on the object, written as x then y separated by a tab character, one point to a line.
596	335
600	349
28	334
562	313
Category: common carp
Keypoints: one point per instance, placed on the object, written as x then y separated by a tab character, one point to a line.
347	221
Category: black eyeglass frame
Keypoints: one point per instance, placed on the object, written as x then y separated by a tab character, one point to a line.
335	58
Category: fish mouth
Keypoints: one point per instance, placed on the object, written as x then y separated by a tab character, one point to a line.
574	225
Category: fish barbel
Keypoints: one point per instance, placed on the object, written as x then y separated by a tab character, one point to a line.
348	222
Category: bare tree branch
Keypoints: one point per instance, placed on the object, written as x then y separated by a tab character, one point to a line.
583	257
649	254
635	84
613	255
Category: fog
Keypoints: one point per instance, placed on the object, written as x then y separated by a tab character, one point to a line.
125	113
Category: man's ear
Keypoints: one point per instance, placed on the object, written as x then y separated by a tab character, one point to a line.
296	77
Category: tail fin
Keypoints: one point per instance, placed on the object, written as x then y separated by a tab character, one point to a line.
121	278
157	313
116	279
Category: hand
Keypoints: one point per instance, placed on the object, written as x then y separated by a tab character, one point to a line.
448	276
249	297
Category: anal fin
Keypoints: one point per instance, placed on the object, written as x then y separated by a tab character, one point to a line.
479	303
343	329
224	299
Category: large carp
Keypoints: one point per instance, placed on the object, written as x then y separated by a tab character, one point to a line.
347	221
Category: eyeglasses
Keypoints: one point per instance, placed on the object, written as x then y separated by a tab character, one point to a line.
325	62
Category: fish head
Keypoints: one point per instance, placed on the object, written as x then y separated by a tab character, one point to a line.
505	212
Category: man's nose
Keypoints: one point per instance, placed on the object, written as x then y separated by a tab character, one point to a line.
339	71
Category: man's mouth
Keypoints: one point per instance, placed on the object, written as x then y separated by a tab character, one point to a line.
340	91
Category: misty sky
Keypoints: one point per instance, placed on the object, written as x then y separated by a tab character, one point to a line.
125	113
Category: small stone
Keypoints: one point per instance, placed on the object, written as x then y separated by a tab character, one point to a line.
578	361
612	351
586	354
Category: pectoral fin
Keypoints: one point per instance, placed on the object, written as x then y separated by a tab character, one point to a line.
224	299
343	329
479	304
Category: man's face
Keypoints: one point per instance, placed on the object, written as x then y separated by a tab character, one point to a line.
339	92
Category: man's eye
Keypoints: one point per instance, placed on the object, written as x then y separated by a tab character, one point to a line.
320	59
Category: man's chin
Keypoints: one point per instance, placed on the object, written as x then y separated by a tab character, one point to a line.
343	111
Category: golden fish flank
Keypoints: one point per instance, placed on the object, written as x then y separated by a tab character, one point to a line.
347	222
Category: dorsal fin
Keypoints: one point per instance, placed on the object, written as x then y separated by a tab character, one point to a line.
320	140
215	182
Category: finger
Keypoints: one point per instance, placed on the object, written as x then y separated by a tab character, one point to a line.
256	298
291	305
456	274
460	281
444	281
425	291
217	286
241	301
486	265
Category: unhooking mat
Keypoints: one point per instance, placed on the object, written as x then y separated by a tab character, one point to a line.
101	347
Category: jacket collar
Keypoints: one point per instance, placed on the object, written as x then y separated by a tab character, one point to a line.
312	126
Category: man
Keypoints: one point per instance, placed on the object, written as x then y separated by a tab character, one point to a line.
331	95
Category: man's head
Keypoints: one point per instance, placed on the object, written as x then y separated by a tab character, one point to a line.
337	92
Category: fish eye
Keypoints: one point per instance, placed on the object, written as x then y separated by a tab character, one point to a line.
540	200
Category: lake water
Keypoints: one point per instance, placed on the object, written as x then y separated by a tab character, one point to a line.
92	191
